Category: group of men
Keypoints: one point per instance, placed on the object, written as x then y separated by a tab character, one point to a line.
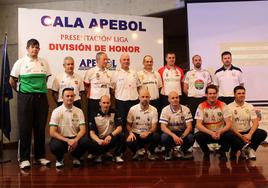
143	101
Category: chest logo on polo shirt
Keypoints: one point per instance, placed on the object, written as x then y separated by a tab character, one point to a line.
235	112
98	76
199	84
219	114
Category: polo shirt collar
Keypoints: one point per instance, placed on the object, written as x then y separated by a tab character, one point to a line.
67	109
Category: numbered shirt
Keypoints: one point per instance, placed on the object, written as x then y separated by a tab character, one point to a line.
171	79
142	120
125	84
152	80
175	120
242	116
213	116
68	121
68	81
100	82
32	75
197	81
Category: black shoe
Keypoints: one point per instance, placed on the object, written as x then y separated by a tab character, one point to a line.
232	156
206	156
222	155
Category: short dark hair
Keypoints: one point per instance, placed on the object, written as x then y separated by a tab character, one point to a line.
67	89
32	42
239	87
170	52
211	87
225	53
146	56
98	55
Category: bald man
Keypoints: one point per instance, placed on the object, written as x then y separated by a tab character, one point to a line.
176	124
125	84
105	131
141	125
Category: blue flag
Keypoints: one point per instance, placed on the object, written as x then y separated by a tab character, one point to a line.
6	93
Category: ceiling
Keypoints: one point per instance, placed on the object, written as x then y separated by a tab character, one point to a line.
10	2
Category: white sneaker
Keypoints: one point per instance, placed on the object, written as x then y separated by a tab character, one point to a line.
25	165
251	154
98	159
91	156
43	162
141	151
119	159
76	163
59	164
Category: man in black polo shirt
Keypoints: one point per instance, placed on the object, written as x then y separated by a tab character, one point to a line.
105	131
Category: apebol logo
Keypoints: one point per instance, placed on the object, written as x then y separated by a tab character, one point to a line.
86	64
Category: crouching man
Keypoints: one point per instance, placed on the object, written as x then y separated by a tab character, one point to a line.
67	130
105	132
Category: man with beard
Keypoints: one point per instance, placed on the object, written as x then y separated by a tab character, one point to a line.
141	125
195	83
227	78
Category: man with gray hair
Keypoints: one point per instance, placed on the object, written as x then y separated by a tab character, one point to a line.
68	79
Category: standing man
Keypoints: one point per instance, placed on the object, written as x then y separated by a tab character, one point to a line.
213	120
105	131
97	83
125	84
68	79
141	125
245	124
176	125
29	78
152	80
227	78
172	77
67	130
195	83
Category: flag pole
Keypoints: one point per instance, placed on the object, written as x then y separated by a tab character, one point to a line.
2	159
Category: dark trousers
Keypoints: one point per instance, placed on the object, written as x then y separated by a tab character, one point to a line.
123	107
257	138
226	140
226	100
76	103
92	108
32	117
169	143
151	140
59	148
163	101
193	104
117	143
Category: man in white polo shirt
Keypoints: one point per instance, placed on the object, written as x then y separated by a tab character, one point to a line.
125	84
105	131
245	125
172	77
141	125
68	79
152	80
97	83
176	125
29	78
195	83
67	130
227	77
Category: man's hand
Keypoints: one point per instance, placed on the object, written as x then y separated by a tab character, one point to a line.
131	137
177	140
